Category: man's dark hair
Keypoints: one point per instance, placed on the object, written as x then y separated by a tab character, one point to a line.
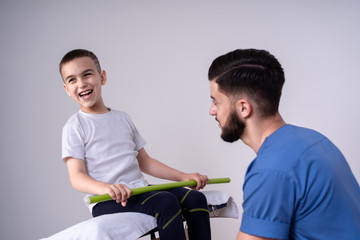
78	53
255	73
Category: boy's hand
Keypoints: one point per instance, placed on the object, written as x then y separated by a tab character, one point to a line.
201	180
119	193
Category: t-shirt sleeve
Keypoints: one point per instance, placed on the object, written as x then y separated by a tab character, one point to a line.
73	143
268	204
137	138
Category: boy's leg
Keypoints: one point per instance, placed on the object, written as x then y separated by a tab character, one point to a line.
162	205
195	211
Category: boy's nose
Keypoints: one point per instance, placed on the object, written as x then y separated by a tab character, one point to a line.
82	83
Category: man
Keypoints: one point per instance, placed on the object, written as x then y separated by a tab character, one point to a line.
299	186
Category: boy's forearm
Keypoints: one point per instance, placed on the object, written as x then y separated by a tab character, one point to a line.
158	169
84	183
80	180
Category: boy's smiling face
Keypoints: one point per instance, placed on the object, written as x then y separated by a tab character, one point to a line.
82	82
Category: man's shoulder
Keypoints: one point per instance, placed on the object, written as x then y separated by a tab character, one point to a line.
283	149
297	136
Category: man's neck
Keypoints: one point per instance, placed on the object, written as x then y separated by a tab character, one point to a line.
258	130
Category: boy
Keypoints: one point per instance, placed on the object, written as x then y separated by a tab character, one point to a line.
105	153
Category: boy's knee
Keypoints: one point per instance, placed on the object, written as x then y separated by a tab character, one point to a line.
167	201
194	200
198	198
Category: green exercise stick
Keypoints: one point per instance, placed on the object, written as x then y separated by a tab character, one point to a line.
159	187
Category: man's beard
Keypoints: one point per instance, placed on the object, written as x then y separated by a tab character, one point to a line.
233	128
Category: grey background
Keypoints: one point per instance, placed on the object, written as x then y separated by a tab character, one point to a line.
156	54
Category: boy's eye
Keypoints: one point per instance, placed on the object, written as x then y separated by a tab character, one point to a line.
71	80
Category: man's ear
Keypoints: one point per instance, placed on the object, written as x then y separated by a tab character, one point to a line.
66	90
243	108
103	77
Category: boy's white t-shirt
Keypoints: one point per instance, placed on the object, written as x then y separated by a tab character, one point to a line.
108	143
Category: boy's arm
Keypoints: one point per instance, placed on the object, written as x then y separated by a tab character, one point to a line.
81	181
157	169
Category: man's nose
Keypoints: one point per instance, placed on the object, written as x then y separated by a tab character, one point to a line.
212	110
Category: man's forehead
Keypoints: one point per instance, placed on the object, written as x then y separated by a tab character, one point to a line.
218	95
214	89
213	85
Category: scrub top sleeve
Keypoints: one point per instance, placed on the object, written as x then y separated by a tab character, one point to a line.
269	198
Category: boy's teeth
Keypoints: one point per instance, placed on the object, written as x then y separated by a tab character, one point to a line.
85	93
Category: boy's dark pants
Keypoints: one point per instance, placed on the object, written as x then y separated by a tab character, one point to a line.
167	207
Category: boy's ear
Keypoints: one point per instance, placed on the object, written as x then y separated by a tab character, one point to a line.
103	77
66	90
244	108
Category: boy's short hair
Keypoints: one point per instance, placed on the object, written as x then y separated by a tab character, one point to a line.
78	53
